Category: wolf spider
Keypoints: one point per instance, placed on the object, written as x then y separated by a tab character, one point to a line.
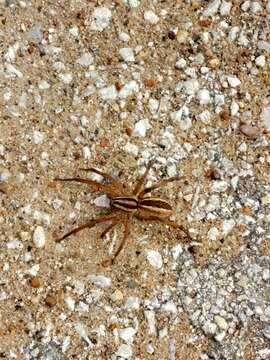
124	206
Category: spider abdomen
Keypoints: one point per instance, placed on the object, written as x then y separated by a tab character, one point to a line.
155	207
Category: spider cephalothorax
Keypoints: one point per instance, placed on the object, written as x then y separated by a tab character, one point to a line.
125	207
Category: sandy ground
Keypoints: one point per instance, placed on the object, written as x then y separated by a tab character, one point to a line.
111	85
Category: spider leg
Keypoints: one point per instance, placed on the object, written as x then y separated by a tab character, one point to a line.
88	225
156	186
166	222
108	228
122	243
141	179
105	175
107	188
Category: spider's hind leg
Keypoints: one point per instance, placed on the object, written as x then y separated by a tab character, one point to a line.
88	225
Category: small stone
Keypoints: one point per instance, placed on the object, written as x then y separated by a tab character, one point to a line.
66	78
35	282
221	322
181	64
141	128
132	303
151	17
213	233
219	186
38	137
249	130
260	61
220	336
233	81
225	8
44	85
100	280
50	300
131	149
151	320
108	93
124	351
128	89
85	60
100	18
203	96
266	199
86	152
155	259
39	237
35	34
234	108
212	8
102	201
70	303
209	328
191	86
176	251
116	296
150	349
227	226
265	117
123	36
127	334
263	45
127	54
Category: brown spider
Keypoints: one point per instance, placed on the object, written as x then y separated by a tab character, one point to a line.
126	206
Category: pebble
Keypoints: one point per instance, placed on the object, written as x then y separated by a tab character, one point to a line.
213	233
225	8
131	149
100	18
117	295
102	201
191	86
81	330
265	117
176	251
108	93
155	259
212	8
151	320
86	59
35	34
209	328
127	54
39	237
219	186
233	81
38	137
141	128
221	322
132	303
151	17
249	130
124	351
203	96
260	61
127	334
100	280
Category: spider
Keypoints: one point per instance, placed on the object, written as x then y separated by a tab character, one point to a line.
125	206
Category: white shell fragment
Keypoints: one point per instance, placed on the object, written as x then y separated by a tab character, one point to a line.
265	117
151	17
100	280
39	237
124	351
100	18
155	259
127	54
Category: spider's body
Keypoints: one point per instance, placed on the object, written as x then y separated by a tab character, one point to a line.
125	207
155	206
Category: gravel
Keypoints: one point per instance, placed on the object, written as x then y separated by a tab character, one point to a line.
113	85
